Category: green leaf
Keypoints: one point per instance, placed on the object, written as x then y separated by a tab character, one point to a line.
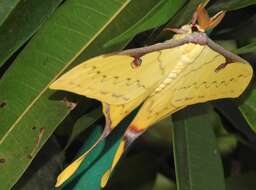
82	123
231	113
249	48
160	132
42	173
242	31
230	5
163	183
69	126
230	45
19	20
75	27
139	168
248	108
197	161
226	144
157	14
6	8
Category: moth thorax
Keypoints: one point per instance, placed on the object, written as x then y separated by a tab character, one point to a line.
187	28
183	32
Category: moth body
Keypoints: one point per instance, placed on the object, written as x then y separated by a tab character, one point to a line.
162	78
189	53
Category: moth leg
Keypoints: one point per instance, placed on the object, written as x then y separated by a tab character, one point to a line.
203	39
231	57
176	30
136	61
223	65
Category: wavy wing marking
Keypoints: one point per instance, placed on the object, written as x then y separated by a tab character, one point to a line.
111	79
196	83
229	82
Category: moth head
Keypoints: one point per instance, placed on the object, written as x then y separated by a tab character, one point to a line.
201	21
181	32
187	29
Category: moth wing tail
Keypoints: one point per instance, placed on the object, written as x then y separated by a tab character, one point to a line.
72	168
129	137
113	115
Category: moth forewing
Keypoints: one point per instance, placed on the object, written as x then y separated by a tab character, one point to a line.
162	78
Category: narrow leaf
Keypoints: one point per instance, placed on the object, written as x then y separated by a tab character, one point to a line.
28	106
41	174
157	15
249	48
230	5
197	161
6	7
82	123
248	108
19	20
237	118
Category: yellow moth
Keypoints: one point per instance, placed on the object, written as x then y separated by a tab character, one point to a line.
162	78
